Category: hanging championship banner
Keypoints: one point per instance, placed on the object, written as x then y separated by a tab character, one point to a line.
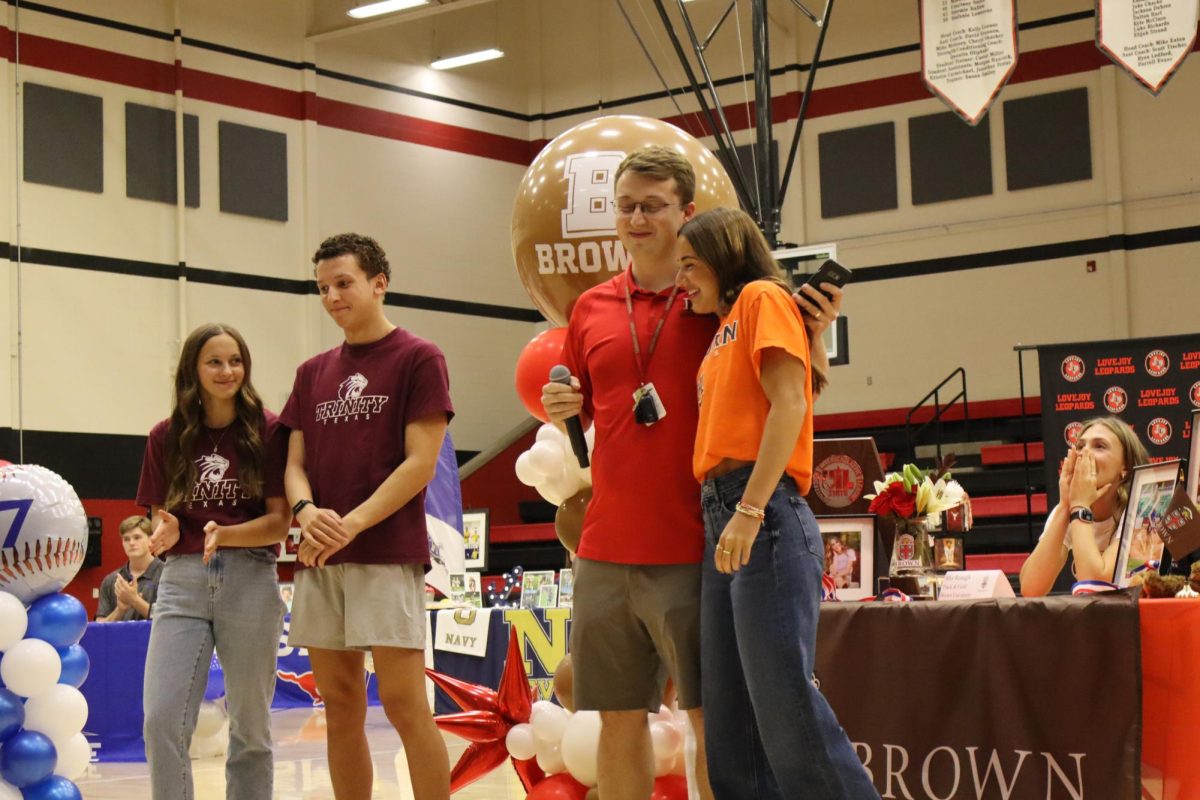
1152	384
968	52
1149	39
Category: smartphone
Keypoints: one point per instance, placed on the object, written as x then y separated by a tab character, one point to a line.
829	272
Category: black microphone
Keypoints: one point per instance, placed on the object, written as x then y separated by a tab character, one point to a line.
560	374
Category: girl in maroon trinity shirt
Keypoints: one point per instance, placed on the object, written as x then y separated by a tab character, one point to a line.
213	478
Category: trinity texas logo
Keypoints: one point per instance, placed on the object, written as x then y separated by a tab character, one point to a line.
351	402
1072	368
1194	394
1157	363
838	481
212	485
1159	430
1115	399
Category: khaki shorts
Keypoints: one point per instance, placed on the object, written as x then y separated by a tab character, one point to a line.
359	606
632	625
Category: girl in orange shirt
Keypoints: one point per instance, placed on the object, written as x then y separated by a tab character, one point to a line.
771	734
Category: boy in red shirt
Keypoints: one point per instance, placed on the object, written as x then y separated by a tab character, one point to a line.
367	418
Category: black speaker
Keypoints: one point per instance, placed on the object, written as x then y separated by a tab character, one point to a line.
91	556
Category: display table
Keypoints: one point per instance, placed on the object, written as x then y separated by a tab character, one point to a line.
897	674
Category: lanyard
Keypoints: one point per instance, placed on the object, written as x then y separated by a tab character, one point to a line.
637	348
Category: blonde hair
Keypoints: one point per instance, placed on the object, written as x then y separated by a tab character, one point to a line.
136	521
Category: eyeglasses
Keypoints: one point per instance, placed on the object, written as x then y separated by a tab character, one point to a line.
649	208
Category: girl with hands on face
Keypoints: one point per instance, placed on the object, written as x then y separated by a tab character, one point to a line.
213	477
764	556
1092	494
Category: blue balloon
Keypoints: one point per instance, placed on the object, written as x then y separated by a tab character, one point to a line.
57	618
12	714
215	689
75	665
27	757
56	787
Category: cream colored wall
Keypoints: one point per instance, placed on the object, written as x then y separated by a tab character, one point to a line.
99	347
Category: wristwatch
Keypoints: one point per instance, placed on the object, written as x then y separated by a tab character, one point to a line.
296	509
1081	513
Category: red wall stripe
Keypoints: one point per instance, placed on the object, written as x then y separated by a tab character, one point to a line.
101	65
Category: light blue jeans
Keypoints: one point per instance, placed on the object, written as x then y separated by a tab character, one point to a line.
769	732
234	604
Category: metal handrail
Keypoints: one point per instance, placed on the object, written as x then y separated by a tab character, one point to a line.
939	410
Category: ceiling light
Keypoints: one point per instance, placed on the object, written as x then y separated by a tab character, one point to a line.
468	58
383	7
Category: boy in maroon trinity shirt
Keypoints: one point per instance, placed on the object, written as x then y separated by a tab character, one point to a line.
367	421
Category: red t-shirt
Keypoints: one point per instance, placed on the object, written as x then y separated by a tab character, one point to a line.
645	508
352	404
217	495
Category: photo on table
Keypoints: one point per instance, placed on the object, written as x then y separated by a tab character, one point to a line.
291	546
566	588
287	592
1150	492
473	591
948	554
475	537
849	548
531	586
1193	472
458	588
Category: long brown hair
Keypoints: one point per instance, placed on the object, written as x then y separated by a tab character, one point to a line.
729	241
187	421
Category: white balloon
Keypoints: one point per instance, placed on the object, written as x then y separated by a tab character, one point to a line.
59	712
8	791
580	746
210	721
663	766
549	432
45	553
30	667
559	487
519	742
73	756
13	620
546	457
550	759
549	724
526	474
666	739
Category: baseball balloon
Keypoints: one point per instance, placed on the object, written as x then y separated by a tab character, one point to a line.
43	540
564	231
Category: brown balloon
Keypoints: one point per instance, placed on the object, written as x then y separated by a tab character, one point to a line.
564	235
568	520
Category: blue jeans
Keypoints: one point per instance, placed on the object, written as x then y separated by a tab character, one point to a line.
769	732
234	604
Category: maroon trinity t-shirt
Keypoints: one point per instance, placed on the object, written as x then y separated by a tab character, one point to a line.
217	495
352	404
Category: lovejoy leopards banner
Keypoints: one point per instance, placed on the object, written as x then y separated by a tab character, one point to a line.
1152	384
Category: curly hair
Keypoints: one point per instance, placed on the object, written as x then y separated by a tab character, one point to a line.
370	255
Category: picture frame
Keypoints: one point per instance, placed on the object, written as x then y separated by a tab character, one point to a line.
1193	470
473	591
850	553
287	592
1151	489
290	547
475	538
458	588
531	586
949	553
566	588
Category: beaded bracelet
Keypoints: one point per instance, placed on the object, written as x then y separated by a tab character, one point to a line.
750	511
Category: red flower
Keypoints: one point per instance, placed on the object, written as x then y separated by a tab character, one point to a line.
894	499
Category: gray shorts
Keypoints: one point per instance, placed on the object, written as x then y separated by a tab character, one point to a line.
631	626
359	606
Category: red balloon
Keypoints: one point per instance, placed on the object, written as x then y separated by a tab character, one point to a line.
469	696
670	787
529	772
474	726
476	761
516	702
534	365
560	787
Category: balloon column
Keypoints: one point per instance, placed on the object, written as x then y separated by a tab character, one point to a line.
211	737
42	666
551	467
553	751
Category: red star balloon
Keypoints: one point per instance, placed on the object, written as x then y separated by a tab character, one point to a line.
485	719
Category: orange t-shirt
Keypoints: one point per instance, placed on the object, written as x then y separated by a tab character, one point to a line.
733	406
